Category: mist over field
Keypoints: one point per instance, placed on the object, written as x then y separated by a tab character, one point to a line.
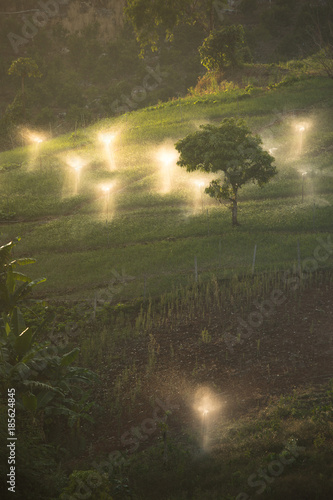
166	207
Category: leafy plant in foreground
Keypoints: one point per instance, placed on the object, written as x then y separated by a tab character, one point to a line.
44	381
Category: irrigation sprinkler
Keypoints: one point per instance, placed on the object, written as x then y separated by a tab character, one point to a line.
167	158
76	164
205	413
107	139
144	287
301	130
200	185
206	404
254	258
303	177
205	408
106	191
38	141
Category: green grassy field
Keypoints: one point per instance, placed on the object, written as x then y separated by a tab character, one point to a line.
152	227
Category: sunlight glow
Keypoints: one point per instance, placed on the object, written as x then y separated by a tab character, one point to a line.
76	164
35	139
206	404
198	197
106	188
200	184
302	129
107	138
167	158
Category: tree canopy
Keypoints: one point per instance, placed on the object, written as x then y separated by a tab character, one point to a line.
152	19
24	67
231	151
222	48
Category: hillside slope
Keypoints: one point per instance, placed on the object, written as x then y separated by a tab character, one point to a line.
154	220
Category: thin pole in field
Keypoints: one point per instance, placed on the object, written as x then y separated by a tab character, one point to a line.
314	216
254	258
95	306
196	268
220	253
144	287
208	220
299	256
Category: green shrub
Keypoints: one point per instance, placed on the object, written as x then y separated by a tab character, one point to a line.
45	117
70	95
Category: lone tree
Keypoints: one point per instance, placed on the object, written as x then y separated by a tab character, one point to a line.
24	67
231	151
222	48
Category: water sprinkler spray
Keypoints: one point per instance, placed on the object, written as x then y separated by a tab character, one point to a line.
204	422
301	130
204	410
76	164
106	190
107	139
303	177
167	158
200	185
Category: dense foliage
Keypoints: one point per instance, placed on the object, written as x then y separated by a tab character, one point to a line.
229	149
